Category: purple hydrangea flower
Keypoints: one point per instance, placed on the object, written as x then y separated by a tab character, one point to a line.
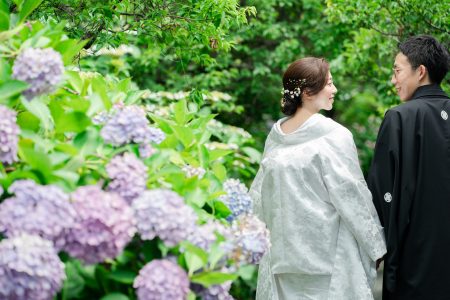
203	236
128	174
130	125
252	239
104	225
42	210
161	279
156	135
41	68
214	292
163	213
29	269
9	132
237	198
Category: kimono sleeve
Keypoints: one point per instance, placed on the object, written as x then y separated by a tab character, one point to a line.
384	182
349	194
255	193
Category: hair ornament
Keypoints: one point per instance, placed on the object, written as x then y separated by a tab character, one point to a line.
299	83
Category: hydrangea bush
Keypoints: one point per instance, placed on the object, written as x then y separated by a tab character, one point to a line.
100	195
104	225
29	268
8	135
42	210
42	69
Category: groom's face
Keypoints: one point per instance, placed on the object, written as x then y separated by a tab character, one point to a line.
405	79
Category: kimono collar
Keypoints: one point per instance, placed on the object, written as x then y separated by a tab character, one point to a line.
429	91
313	128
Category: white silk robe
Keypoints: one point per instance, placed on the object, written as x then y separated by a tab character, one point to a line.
325	232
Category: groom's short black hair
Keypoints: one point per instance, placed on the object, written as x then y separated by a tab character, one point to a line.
426	50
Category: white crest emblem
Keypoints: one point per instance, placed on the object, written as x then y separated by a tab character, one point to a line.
388	197
444	115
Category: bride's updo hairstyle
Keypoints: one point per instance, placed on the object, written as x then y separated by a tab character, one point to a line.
307	75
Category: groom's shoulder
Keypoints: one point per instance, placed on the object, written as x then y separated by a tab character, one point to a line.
410	107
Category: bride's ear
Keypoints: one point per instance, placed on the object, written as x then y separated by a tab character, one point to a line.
305	94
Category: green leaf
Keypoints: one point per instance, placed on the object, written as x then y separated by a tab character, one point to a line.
12	88
100	87
197	197
27	8
184	134
211	278
4	20
123	276
75	80
218	153
254	154
4	7
191	295
221	209
195	257
115	296
164	124
215	254
133	97
87	141
72	122
69	48
220	171
70	177
246	272
27	120
180	110
36	159
193	261
74	284
5	71
41	111
196	96
124	85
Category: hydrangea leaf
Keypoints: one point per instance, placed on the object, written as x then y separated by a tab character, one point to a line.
210	278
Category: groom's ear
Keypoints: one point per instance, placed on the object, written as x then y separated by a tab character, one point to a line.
423	73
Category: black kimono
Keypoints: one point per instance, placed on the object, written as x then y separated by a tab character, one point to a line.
410	183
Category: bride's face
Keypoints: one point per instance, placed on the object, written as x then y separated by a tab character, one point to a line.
325	98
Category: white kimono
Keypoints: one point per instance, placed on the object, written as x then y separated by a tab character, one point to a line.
325	232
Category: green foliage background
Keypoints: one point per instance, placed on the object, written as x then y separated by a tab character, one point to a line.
240	48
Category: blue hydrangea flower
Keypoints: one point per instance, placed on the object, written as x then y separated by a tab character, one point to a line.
9	132
251	238
128	174
41	68
130	125
163	213
161	279
237	198
42	210
104	225
29	269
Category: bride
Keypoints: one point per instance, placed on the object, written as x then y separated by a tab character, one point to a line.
310	191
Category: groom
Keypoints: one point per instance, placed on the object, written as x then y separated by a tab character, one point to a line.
410	175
